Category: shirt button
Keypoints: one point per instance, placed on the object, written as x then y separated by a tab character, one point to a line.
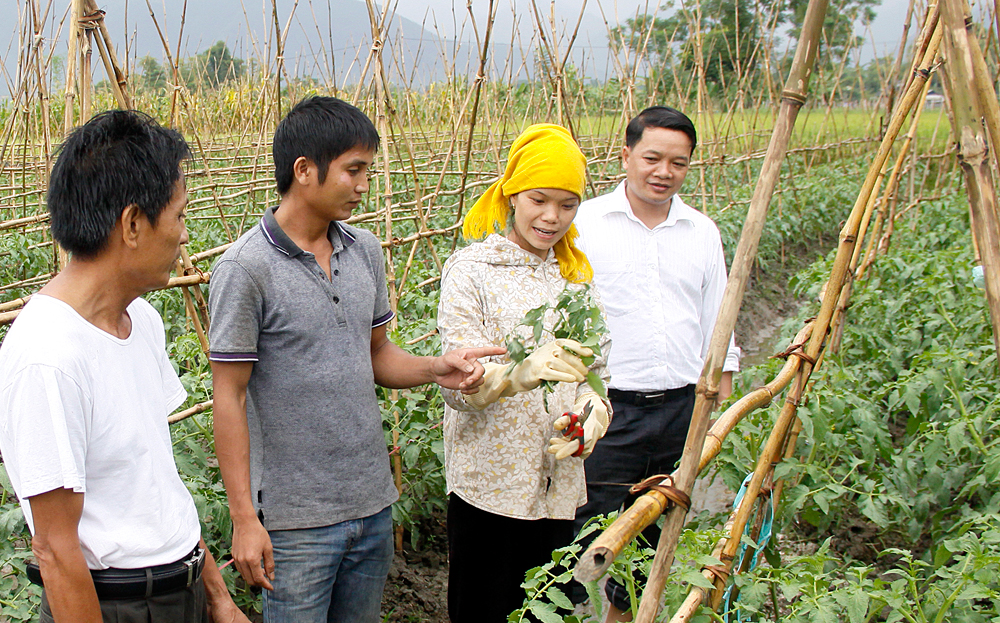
336	299
336	272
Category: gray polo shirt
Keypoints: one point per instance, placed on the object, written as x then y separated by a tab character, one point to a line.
317	452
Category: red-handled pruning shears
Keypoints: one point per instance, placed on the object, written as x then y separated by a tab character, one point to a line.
575	428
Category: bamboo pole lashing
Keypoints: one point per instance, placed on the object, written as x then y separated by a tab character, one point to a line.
605	548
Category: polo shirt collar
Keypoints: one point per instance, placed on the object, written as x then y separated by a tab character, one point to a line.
338	235
679	211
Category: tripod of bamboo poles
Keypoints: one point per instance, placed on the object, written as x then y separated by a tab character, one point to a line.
783	436
707	388
86	30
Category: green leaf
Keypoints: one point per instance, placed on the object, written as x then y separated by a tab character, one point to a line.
597	384
857	607
559	598
545	612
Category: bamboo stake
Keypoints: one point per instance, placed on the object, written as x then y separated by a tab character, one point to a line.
890	195
72	57
973	152
43	93
86	75
383	108
120	76
708	385
477	90
989	107
97	17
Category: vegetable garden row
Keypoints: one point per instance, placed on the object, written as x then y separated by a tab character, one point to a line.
888	501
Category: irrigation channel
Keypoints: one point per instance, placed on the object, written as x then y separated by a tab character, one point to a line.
853	204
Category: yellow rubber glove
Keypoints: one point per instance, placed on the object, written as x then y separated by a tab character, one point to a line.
594	427
559	361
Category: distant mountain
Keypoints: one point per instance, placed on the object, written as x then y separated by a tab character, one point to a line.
333	37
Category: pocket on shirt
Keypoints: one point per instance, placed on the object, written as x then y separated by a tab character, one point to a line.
617	283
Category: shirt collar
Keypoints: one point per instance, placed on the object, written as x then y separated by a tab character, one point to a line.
338	235
679	211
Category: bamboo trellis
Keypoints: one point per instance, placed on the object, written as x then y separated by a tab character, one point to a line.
440	149
971	93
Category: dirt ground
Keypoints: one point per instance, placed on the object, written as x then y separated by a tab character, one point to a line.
417	588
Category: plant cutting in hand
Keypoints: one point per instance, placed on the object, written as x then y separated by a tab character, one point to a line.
578	318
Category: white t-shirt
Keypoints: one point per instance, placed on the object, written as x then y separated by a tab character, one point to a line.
81	409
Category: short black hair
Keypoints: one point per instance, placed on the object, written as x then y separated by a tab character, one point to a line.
118	158
660	117
319	129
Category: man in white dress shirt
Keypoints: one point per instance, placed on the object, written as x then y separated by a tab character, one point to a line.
660	269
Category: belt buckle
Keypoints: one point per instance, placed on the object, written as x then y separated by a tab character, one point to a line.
650	398
193	564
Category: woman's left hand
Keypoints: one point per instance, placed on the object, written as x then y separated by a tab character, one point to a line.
594	428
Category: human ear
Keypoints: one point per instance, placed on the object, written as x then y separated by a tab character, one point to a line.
132	221
301	169
626	152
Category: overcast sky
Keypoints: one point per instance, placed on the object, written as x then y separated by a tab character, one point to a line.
226	20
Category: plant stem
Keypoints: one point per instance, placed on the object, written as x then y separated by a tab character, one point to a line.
953	389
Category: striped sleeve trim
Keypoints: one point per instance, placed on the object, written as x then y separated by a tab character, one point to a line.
378	322
214	356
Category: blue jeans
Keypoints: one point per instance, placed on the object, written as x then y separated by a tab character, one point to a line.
330	574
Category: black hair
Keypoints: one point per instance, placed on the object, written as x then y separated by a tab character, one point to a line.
319	129
660	117
118	158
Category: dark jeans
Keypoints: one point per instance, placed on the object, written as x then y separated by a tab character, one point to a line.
641	442
183	606
488	556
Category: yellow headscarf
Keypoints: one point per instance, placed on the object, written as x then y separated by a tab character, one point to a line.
543	156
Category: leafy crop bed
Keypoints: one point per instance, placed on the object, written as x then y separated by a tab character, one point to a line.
892	496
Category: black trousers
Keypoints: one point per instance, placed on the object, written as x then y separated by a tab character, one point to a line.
488	556
184	606
641	442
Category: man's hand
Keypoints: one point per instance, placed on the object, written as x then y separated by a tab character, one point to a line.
226	612
221	608
251	544
725	388
460	368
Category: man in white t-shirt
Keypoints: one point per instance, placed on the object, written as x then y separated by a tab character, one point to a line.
86	388
659	266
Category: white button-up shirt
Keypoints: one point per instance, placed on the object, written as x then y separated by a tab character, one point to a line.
661	288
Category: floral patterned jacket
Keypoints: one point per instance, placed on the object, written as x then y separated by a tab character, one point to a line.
496	458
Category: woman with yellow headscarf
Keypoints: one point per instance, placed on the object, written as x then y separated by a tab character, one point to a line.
515	483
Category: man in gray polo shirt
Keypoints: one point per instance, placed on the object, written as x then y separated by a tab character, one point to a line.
299	313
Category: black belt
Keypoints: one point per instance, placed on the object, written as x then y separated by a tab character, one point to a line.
141	583
650	399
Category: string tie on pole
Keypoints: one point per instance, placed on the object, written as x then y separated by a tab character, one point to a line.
664	485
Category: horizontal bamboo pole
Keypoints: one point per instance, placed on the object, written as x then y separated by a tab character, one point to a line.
175	282
15	304
186	413
21	222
